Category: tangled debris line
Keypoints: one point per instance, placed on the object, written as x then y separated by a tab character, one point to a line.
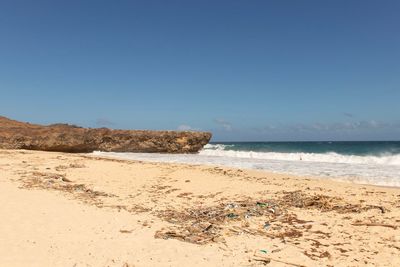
323	203
210	224
206	224
72	165
59	182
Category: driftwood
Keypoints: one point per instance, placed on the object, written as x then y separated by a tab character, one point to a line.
375	224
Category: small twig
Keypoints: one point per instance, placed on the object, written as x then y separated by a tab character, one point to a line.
266	260
207	228
125	231
289	263
375	224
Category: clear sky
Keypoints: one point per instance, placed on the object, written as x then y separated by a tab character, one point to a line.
245	70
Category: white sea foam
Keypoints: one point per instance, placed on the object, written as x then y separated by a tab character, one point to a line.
221	150
379	170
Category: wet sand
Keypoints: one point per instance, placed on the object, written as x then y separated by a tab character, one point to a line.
80	210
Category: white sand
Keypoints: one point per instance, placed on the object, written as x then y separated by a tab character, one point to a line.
42	226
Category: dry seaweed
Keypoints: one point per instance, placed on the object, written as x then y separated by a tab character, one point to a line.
270	218
324	203
59	182
316	255
210	224
204	224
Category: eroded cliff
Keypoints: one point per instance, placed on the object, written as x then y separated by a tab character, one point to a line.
69	138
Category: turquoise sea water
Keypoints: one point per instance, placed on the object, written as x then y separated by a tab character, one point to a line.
344	148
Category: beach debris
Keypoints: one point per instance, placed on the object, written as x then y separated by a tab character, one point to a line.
207	228
383	210
261	204
125	231
291	233
288	263
231	206
65	179
72	165
205	224
77	165
264	260
375	224
323	203
232	215
61	168
60	182
272	210
276	250
315	255
259	255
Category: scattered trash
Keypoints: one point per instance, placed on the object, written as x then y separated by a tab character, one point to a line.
232	215
231	206
260	204
272	210
208	228
210	224
202	225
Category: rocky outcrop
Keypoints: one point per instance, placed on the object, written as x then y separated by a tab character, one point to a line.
70	138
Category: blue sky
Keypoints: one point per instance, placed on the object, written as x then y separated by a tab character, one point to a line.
245	70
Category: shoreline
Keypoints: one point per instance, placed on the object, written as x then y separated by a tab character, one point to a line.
344	179
99	211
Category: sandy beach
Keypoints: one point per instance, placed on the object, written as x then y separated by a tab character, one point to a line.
80	210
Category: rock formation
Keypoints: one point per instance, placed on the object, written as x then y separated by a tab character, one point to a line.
70	138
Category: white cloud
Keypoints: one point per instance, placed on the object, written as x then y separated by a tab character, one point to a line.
339	126
184	127
227	126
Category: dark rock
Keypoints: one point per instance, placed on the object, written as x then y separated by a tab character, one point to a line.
70	138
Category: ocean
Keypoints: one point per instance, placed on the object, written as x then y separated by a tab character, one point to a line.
375	163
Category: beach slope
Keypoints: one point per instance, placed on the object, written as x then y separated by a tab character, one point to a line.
80	210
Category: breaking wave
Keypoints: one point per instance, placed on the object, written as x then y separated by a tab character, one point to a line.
379	166
222	150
